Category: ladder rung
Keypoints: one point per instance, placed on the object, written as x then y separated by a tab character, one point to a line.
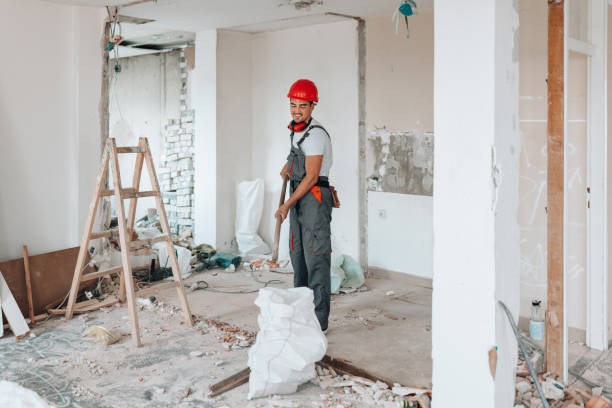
142	251
157	287
99	274
104	234
130	149
106	193
139	194
142	242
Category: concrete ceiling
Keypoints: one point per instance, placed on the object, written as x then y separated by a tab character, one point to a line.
250	16
198	15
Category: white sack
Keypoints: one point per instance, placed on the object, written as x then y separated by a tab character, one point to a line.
289	342
15	396
183	255
249	207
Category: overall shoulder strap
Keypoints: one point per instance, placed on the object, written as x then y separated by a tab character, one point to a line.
308	133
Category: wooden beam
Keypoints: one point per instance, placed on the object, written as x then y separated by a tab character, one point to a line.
555	183
28	281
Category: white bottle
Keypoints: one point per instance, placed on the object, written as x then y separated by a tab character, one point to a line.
536	323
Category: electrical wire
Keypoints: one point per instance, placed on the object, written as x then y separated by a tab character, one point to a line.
203	285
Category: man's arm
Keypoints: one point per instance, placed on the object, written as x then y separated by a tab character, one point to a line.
313	167
283	172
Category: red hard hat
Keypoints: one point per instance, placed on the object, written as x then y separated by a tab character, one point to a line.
305	90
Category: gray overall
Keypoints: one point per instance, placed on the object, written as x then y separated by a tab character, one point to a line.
309	237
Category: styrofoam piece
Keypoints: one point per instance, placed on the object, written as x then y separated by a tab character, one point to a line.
11	310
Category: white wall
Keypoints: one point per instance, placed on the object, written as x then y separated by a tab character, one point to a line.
400	232
532	208
233	128
204	94
143	96
475	230
399	96
328	55
49	123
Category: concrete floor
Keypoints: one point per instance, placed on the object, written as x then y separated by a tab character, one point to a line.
394	331
386	334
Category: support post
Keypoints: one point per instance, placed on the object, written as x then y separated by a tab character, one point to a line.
555	333
475	201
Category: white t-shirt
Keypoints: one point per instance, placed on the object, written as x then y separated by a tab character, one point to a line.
317	143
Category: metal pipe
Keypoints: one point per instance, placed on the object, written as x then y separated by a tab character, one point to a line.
524	353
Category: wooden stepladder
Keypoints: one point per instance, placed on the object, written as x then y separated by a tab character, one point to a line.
110	155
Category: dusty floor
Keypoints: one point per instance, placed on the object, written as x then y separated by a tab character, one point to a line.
387	333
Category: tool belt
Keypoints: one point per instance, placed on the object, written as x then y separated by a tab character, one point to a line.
321	182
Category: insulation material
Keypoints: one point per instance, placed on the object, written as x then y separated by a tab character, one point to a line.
403	162
249	207
15	396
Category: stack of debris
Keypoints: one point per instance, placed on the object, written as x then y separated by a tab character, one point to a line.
558	395
371	392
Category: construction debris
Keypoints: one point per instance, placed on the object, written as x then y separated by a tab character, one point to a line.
101	335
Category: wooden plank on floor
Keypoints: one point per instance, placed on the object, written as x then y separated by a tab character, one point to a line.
555	194
229	383
338	365
11	310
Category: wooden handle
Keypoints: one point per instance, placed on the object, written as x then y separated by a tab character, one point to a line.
26	265
281	201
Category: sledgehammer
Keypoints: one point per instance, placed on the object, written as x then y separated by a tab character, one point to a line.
281	201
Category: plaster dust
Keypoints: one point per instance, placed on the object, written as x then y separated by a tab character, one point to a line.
69	370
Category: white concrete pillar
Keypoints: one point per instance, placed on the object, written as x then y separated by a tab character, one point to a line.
476	236
204	94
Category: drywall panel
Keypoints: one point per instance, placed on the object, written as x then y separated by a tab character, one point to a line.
403	246
234	143
143	96
46	107
328	55
532	193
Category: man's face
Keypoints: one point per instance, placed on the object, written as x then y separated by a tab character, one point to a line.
301	110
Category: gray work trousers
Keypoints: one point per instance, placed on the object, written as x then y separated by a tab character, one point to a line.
310	247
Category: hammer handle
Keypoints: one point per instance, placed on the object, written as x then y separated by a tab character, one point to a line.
281	201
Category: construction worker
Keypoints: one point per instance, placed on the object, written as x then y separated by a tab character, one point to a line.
310	203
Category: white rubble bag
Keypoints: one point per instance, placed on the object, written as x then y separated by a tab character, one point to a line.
289	342
15	396
249	207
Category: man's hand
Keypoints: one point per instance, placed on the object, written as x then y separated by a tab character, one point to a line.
284	173
282	212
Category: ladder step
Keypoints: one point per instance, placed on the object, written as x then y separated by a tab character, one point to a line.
155	288
130	149
99	274
139	194
105	234
134	245
106	193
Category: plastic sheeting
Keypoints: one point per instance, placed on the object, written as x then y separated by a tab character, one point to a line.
289	342
249	207
346	273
